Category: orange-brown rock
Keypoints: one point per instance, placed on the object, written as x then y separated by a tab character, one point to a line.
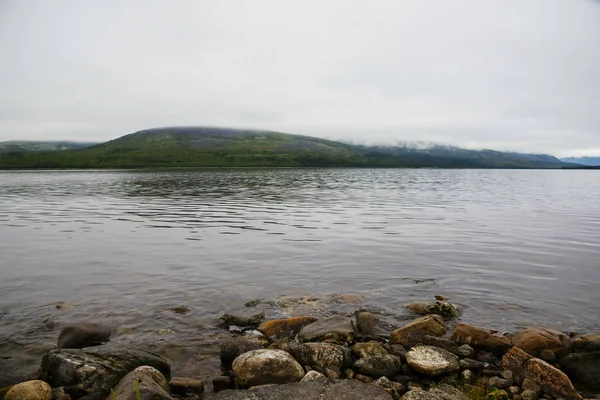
552	381
535	340
480	338
413	333
515	359
288	327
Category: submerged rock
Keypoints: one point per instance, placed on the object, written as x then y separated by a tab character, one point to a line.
414	332
535	340
285	328
262	367
310	390
442	308
30	390
93	372
146	381
245	317
83	335
584	368
432	361
480	338
183	386
336	328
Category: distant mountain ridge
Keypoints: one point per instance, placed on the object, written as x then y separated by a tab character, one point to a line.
225	147
20	146
590	161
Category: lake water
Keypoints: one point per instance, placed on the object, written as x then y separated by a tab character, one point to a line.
514	248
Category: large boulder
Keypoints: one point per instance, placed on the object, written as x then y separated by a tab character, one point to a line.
413	332
442	308
143	383
432	361
322	356
262	367
246	317
338	328
93	372
379	365
480	338
318	389
587	342
535	340
583	368
30	390
237	345
285	328
83	335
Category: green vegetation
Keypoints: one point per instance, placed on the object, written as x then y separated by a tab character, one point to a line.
218	147
33	147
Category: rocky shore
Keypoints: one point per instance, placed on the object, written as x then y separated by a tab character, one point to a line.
354	355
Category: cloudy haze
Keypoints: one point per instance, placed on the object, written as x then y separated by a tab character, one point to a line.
506	74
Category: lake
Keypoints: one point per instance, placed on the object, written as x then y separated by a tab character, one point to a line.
513	248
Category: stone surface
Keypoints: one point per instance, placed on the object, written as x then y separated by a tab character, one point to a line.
529	395
515	359
310	390
379	365
243	317
282	328
30	390
496	382
548	356
441	343
442	308
322	355
368	349
236	346
312	375
466	351
145	380
222	383
467	363
369	325
93	372
552	381
480	338
587	342
338	328
432	361
419	394
261	367
83	335
528	384
182	386
533	341
583	368
413	332
447	392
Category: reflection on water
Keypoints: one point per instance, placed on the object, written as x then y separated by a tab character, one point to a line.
514	248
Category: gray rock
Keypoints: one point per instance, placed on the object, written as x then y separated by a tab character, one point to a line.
583	368
393	388
528	384
441	343
432	361
419	394
30	390
496	382
83	335
447	392
508	375
145	380
467	363
312	375
369	325
323	355
529	395
93	372
513	390
379	365
262	367
466	351
310	390
337	328
236	346
244	317
183	386
443	308
368	349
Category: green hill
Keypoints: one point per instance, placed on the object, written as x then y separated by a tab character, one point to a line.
24	146
221	147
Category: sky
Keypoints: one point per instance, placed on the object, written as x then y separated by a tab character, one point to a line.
521	75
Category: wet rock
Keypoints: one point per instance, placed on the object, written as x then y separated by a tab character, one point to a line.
312	375
308	390
467	363
497	394
364	378
480	338
496	382
261	367
349	373
533	341
182	386
284	344
146	381
419	394
441	343
30	390
285	328
393	388
485	357
337	328
447	392
432	361
369	325
465	351
244	317
379	365
322	355
584	368
529	395
552	381
83	335
236	346
587	342
528	384
548	356
368	349
222	383
413	333
442	308
395	349
93	372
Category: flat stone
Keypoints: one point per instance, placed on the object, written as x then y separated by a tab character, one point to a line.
310	390
480	338
369	325
583	368
338	328
467	363
262	367
432	361
83	335
535	340
245	317
441	343
285	328
413	332
29	390
143	383
379	365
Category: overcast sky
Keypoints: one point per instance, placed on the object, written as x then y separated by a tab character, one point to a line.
506	74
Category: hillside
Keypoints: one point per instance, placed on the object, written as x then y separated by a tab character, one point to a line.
589	161
23	146
221	147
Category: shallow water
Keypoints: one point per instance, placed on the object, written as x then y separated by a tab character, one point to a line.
514	248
